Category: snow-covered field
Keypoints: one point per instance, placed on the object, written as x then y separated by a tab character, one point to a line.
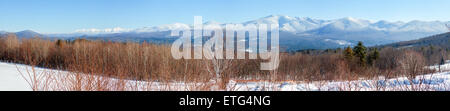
10	78
15	78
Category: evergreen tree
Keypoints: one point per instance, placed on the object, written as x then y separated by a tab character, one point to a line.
373	56
348	53
360	52
431	49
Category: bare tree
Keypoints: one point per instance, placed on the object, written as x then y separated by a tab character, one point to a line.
217	66
412	63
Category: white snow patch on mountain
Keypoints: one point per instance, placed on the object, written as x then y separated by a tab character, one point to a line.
167	27
340	42
103	31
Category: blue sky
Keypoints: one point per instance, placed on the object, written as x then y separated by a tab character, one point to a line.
62	16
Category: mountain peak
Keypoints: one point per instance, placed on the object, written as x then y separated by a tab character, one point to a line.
28	34
279	17
351	19
27	31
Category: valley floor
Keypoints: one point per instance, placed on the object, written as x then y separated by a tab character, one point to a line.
15	77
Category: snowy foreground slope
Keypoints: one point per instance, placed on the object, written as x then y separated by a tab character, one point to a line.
14	78
10	79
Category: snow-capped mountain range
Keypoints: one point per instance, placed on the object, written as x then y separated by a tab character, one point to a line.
304	24
295	32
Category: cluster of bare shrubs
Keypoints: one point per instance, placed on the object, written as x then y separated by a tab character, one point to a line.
151	62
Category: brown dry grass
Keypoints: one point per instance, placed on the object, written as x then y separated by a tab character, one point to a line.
92	63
